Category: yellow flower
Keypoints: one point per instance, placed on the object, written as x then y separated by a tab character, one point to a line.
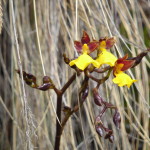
123	79
119	65
84	60
106	57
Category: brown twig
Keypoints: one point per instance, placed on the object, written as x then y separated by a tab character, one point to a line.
102	70
82	96
68	83
59	128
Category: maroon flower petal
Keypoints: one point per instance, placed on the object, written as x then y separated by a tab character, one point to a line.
78	46
85	38
92	46
102	39
110	42
126	63
120	60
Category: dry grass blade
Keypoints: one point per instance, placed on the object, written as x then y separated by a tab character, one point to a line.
1	17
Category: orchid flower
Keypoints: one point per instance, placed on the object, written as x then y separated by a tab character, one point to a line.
121	78
85	47
86	40
105	57
120	65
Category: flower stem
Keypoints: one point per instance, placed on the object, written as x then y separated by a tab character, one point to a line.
68	83
58	126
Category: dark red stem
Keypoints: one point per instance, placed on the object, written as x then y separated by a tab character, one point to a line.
58	126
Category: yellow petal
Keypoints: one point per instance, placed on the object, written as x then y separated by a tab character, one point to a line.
83	61
106	57
102	44
123	79
85	48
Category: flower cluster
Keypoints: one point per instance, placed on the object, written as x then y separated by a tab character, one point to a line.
87	64
86	47
116	65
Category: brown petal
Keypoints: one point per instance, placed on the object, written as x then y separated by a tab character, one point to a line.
120	60
78	46
110	42
127	64
85	38
92	46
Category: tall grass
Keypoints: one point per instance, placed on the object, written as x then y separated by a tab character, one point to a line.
34	37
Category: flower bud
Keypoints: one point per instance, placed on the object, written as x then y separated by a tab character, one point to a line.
139	58
28	78
117	119
45	87
111	138
97	98
99	130
99	126
66	59
109	134
46	79
85	93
